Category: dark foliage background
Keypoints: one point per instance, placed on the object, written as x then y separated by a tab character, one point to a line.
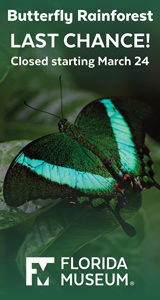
56	228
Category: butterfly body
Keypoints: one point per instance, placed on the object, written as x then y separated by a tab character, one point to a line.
88	163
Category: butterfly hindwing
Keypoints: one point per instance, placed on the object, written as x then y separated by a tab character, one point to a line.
56	166
116	129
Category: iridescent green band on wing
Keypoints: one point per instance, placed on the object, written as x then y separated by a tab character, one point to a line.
71	177
123	137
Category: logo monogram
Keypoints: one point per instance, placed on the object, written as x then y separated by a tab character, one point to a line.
42	261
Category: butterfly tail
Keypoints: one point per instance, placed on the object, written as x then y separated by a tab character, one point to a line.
115	205
128	229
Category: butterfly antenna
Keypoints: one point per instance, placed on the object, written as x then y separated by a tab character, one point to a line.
41	110
61	95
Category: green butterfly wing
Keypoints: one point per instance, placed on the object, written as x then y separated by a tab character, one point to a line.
56	166
116	129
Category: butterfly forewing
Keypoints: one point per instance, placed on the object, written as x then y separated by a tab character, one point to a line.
56	166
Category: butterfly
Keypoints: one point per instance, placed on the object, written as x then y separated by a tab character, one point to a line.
88	163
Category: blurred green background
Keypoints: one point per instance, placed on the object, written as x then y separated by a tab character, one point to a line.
39	87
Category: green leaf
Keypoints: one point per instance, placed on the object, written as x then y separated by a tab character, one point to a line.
154	148
66	228
24	122
11	216
6	53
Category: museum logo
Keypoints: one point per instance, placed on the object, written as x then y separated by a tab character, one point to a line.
116	274
42	261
